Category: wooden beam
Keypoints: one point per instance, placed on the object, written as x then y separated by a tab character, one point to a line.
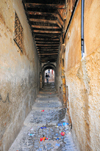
42	20
51	54
40	4
46	17
46	21
47	49
44	24
47	35
47	58
44	31
48	54
57	2
41	39
43	9
50	15
46	42
55	35
59	24
45	27
41	45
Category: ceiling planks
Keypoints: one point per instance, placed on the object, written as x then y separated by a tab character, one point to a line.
46	23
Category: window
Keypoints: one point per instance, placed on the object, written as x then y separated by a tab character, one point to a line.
18	33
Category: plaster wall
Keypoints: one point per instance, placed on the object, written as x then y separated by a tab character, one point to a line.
19	73
58	71
83	76
58	78
69	8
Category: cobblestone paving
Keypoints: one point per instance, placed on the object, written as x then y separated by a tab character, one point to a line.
43	127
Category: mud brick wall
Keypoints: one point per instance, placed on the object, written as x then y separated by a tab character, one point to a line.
18	70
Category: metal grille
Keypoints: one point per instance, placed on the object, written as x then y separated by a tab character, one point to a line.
18	33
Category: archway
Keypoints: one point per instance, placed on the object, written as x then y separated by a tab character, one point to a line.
51	76
49	67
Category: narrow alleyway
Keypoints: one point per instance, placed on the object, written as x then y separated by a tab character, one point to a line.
60	39
44	125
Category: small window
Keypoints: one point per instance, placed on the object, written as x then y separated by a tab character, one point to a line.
18	33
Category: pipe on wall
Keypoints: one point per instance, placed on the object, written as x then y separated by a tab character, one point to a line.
82	27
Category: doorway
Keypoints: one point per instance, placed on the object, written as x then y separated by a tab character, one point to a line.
51	76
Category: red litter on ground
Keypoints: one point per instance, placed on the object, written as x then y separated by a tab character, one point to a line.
62	133
42	111
41	139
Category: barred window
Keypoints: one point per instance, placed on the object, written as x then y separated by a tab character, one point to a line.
18	33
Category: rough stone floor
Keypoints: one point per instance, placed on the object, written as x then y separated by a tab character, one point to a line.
44	125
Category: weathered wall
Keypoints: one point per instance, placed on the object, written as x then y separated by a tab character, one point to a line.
18	73
69	8
83	76
58	70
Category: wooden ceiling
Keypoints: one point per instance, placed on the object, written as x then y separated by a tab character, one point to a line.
46	21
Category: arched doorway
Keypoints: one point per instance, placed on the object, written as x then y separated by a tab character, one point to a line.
49	67
51	76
